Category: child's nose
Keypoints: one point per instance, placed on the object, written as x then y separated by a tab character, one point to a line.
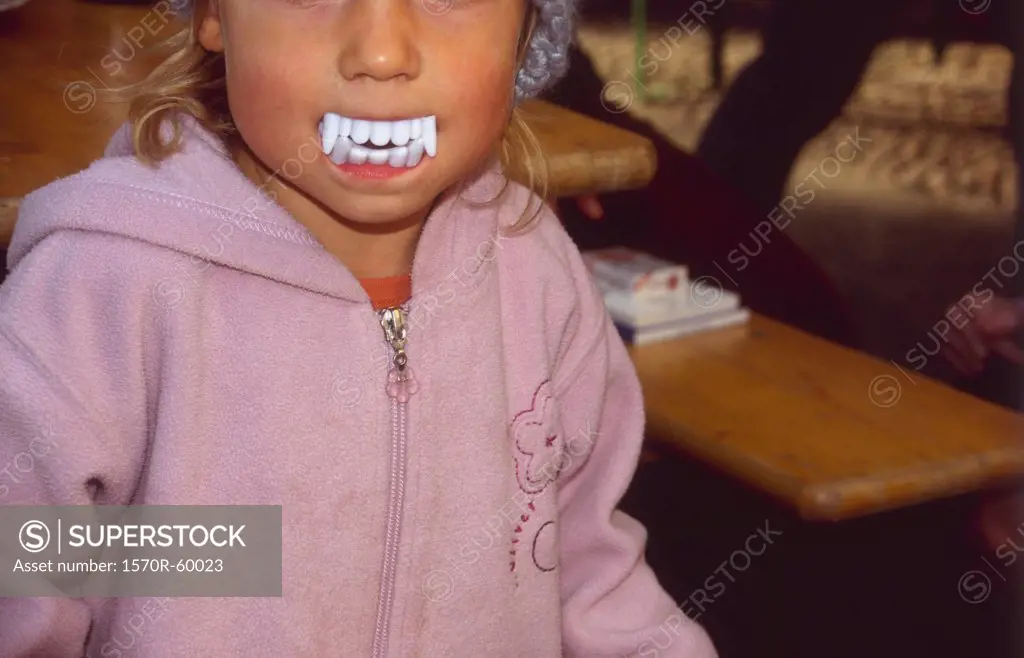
381	43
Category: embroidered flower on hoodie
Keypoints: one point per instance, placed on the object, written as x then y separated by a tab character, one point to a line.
540	458
540	448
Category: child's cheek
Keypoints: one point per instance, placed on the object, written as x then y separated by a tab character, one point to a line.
263	79
486	101
253	108
270	103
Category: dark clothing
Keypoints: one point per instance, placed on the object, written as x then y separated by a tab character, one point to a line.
813	55
690	215
890	585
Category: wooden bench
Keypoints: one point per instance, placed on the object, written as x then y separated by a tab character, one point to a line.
585	156
581	155
824	429
8	214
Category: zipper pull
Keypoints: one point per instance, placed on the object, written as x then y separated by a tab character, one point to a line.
401	382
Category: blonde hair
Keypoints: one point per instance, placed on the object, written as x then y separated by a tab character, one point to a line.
192	81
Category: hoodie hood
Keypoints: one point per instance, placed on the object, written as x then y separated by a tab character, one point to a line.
199	203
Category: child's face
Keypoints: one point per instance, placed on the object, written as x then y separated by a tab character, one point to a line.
290	63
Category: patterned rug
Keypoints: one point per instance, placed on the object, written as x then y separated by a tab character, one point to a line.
918	217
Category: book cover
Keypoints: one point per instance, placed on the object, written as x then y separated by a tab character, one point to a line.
641	312
669	330
630	272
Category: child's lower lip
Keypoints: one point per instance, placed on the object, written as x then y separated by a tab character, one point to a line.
374	170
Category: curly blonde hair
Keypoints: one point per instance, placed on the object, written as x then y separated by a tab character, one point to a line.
192	81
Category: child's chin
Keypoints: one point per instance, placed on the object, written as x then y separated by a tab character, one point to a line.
381	212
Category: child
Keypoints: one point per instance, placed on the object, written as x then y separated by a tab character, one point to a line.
299	278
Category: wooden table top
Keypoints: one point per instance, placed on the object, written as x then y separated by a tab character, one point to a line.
586	156
828	430
58	53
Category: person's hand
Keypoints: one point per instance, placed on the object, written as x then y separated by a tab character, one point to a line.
590	206
1000	517
982	329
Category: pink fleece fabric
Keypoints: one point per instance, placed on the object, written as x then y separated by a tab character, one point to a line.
185	341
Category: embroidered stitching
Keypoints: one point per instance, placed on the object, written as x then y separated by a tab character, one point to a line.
244	221
540	450
536	472
536	562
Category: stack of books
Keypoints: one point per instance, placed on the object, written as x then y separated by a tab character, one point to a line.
651	300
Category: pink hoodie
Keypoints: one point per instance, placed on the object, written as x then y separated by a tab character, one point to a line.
187	343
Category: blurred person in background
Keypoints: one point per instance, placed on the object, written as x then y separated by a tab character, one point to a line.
813	57
983	327
814	53
691	215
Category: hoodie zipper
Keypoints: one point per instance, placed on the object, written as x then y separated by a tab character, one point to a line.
400	387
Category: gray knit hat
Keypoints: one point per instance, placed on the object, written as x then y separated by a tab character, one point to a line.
547	54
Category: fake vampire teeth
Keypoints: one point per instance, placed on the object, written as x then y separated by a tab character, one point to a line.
396	143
